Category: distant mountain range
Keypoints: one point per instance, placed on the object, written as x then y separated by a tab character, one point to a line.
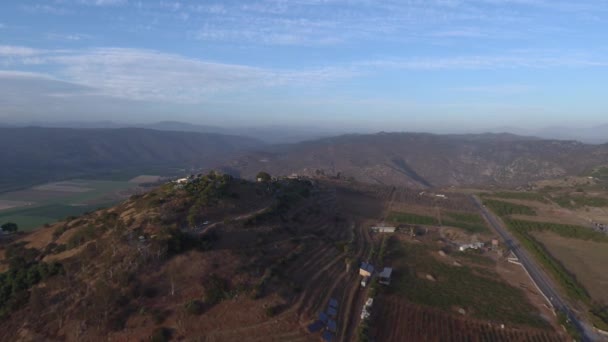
268	134
590	135
293	134
424	160
34	155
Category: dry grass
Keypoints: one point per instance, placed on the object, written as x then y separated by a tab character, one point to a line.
585	259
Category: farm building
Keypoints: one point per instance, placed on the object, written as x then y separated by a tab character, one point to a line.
385	276
366	269
378	229
475	245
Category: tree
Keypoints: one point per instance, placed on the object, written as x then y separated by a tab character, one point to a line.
263	177
10	227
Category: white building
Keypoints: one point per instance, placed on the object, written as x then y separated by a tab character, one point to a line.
378	229
475	245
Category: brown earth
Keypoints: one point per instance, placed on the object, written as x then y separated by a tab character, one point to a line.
585	259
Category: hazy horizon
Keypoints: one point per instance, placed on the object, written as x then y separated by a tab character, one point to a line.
437	66
294	133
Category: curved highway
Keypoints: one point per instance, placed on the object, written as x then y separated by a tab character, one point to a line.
544	283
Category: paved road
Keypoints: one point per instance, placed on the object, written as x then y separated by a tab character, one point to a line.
538	275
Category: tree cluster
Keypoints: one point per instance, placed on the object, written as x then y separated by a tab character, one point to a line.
10	227
24	272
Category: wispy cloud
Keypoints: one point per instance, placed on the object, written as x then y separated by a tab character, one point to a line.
512	60
154	76
496	89
18	51
72	37
47	9
150	75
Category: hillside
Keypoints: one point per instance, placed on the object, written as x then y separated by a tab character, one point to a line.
424	160
175	263
36	155
228	260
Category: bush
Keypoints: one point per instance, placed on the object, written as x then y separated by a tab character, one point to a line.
10	227
24	272
194	307
161	335
216	290
81	236
59	231
272	311
263	176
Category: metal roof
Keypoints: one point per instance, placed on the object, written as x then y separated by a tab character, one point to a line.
328	336
332	326
323	317
315	327
386	272
367	267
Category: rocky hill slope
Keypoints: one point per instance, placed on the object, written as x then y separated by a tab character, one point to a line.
425	160
171	263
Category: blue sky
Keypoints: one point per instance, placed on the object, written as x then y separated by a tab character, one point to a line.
434	65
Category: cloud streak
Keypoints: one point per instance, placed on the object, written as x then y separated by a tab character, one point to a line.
148	75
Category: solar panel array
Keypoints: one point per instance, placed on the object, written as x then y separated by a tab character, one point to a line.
326	320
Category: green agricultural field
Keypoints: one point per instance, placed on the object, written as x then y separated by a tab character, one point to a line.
48	206
506	208
409	218
472	223
454	286
527	196
601	173
579	201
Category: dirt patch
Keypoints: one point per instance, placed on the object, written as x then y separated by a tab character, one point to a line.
585	259
40	238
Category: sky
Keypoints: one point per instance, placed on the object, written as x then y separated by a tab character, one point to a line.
424	65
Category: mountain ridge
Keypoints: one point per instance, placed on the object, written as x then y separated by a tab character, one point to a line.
431	159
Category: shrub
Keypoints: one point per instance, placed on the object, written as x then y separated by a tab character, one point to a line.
273	310
161	335
81	236
216	290
194	307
